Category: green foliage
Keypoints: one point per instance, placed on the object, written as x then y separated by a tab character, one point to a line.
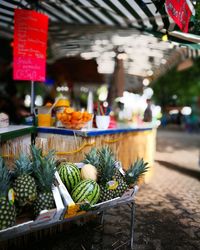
44	168
92	157
135	171
185	84
4	179
197	19
23	165
106	164
104	160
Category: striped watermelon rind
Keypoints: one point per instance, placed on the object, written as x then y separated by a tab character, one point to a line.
69	174
86	191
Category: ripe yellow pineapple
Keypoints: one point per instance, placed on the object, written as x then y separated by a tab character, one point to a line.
24	185
7	209
44	168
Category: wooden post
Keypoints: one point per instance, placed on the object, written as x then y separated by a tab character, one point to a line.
117	83
32	98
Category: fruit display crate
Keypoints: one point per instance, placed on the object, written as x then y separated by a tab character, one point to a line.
68	210
45	219
62	214
75	211
72	209
99	209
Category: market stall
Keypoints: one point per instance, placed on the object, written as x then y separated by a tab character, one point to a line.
127	143
112	181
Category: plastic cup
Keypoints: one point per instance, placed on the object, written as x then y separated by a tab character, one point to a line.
102	121
44	116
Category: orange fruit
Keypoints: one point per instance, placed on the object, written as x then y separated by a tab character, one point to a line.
85	113
76	115
48	104
68	118
68	110
64	116
59	115
74	121
87	117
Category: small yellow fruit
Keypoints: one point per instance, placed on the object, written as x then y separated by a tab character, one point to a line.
89	172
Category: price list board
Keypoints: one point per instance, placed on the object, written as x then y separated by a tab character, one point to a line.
30	44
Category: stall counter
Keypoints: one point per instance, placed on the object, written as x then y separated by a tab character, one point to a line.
15	139
128	143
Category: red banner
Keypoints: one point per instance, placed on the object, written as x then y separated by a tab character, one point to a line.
180	12
30	44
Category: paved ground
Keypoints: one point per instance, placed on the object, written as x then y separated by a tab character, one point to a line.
170	203
167	213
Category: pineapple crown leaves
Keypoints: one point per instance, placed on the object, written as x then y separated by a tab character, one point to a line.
107	163
44	168
92	157
23	165
44	174
4	179
36	154
135	171
104	160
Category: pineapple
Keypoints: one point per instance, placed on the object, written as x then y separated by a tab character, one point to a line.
112	183
92	157
24	185
121	188
132	175
7	210
44	171
135	171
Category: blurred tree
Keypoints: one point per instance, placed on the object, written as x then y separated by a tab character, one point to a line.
185	85
197	19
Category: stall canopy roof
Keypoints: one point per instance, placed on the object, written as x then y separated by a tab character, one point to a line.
146	15
100	26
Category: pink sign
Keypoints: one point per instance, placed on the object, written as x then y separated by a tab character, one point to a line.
180	11
30	44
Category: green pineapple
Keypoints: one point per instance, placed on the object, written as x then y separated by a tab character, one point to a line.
112	183
44	171
136	170
92	157
7	210
121	188
106	165
24	185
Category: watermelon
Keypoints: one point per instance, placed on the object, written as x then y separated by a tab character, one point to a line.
69	174
86	191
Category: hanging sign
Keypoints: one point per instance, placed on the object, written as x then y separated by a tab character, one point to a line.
30	44
180	11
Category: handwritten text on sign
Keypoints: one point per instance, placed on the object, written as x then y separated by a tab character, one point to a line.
30	44
179	12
